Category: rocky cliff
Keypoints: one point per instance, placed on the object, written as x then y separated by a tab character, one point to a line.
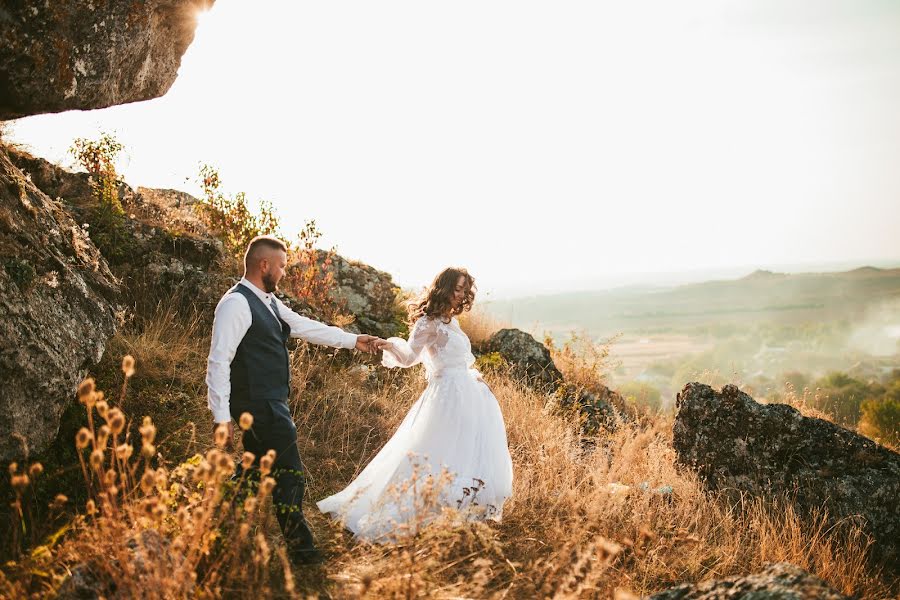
58	296
58	303
73	54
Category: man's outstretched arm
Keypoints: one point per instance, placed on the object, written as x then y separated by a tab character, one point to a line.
319	333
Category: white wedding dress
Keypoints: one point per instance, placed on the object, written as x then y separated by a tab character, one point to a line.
454	433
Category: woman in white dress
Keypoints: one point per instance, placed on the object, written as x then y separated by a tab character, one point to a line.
451	446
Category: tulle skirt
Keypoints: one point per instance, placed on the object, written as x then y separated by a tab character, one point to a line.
450	452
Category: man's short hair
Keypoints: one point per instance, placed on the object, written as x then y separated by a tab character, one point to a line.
259	243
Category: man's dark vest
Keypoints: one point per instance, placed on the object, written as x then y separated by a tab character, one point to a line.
260	370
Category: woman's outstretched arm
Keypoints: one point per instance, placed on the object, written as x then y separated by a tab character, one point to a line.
402	353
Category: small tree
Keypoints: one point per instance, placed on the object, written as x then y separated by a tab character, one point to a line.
229	218
311	274
107	226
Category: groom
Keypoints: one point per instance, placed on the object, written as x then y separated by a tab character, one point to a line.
249	371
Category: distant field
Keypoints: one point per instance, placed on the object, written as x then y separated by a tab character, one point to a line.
755	328
635	354
762	296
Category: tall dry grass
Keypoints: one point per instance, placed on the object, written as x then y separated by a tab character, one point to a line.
479	325
585	520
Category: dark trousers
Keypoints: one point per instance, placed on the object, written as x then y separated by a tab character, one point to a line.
274	429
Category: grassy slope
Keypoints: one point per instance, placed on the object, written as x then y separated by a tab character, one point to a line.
566	532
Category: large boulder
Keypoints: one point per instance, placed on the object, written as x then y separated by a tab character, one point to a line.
364	292
72	54
531	363
58	304
737	444
529	360
779	581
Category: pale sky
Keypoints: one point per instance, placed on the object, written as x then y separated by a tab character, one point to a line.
543	145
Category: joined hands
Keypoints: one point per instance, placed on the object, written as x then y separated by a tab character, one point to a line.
371	343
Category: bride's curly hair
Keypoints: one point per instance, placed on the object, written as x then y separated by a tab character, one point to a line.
437	299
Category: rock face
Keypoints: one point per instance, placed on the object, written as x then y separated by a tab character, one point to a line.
529	359
780	581
735	443
366	293
72	54
58	301
166	252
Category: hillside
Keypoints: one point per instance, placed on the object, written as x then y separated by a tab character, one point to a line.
760	296
611	509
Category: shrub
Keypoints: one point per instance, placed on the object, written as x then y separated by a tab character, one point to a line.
642	395
107	219
841	396
310	276
881	417
229	218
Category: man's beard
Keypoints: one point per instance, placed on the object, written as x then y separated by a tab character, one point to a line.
269	283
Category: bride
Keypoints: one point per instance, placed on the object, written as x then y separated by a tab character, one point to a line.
450	450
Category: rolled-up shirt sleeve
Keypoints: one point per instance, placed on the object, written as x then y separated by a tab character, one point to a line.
315	332
230	324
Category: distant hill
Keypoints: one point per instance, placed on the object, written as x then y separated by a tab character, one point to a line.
759	296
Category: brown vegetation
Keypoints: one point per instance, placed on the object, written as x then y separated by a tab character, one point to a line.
579	523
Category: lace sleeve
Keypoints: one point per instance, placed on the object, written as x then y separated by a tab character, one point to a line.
408	353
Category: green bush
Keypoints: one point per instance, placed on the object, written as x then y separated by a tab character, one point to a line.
841	396
881	417
642	395
491	362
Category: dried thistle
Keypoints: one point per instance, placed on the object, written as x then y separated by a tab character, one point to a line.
103	435
116	420
247	460
148	431
128	365
102	408
221	435
246	421
266	486
82	438
86	389
124	451
266	462
148	481
109	478
20	482
97	459
148	450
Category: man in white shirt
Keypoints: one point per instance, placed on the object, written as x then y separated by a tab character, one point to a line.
249	371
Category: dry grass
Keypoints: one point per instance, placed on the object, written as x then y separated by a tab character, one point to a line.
479	325
567	532
170	350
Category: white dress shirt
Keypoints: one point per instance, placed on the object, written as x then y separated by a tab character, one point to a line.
231	322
